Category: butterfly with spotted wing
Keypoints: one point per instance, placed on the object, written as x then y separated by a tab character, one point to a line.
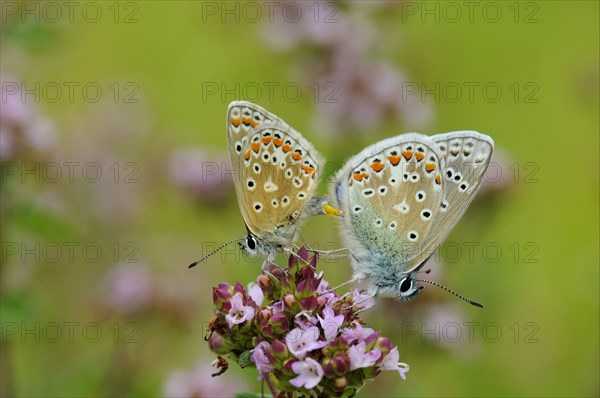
400	198
276	173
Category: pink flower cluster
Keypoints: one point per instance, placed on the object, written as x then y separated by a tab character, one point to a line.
298	334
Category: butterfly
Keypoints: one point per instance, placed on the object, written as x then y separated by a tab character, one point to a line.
276	172
400	198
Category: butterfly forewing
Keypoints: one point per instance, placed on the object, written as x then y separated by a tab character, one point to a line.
276	170
392	190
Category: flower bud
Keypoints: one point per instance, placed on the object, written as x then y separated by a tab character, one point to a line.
263	316
265	284
239	289
337	366
279	324
292	264
303	253
286	369
291	304
217	344
279	350
309	303
221	296
307	288
340	384
335	347
371	340
383	344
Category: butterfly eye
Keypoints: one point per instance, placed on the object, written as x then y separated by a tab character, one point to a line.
406	285
251	242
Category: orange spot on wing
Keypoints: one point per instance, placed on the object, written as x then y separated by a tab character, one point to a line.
246	120
377	166
429	167
235	121
247	154
255	123
419	156
394	160
407	154
277	142
296	156
438	179
255	146
307	169
286	148
266	140
365	175
350	182
357	176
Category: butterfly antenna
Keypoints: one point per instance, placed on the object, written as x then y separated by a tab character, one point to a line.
475	303
214	251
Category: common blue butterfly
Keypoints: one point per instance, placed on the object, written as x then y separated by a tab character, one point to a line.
400	198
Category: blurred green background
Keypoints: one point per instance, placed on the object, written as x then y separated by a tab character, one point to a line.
96	296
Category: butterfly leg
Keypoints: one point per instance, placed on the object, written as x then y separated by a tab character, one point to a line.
334	251
293	253
354	279
324	252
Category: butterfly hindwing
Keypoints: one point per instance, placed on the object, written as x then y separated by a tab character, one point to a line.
465	156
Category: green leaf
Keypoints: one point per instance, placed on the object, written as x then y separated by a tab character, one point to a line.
244	359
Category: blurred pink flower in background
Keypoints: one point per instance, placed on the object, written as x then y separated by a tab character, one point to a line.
133	289
198	383
451	330
500	174
203	176
129	288
23	129
357	90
